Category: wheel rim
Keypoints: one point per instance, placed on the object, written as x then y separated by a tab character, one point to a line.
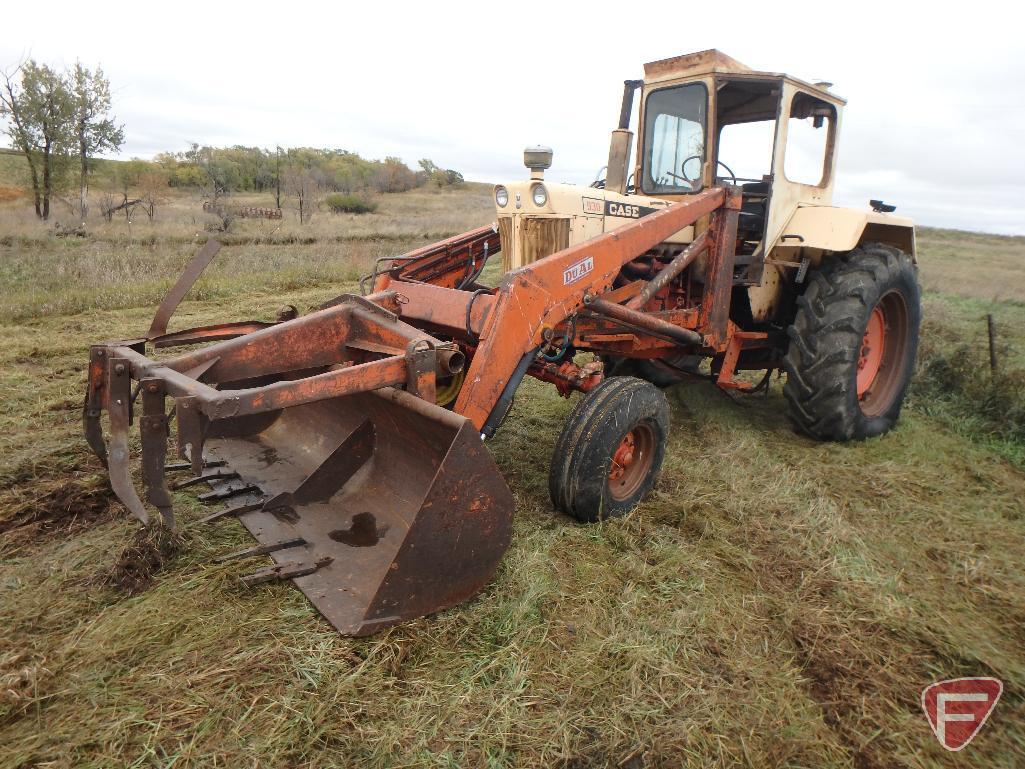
448	390
631	462
881	356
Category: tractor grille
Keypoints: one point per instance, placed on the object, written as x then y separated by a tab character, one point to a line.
543	237
505	235
536	239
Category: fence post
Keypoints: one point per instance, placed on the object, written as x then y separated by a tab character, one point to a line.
992	343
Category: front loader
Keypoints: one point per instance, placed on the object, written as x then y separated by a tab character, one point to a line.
350	441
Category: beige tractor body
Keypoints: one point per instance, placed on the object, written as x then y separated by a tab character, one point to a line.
687	103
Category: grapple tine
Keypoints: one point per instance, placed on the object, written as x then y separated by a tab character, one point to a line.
154	429
192	427
119	406
94	404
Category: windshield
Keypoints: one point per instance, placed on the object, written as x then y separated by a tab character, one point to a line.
674	135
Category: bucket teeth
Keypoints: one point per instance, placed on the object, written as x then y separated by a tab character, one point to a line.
232	512
289	570
227	493
216	475
178	467
261	550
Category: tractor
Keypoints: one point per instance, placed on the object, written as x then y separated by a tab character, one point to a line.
351	440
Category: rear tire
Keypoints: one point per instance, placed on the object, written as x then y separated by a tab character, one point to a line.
853	344
610	450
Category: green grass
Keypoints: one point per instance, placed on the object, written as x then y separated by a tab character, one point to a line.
775	601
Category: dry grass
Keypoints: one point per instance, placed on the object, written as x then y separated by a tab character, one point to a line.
123	265
775	602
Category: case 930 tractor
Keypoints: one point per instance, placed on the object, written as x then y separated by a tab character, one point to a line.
350	441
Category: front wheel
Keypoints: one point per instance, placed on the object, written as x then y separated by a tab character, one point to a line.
853	344
610	450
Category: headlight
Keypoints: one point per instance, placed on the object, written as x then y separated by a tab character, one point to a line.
539	194
501	196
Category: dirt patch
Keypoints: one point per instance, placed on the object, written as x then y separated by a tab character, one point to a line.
139	562
70	506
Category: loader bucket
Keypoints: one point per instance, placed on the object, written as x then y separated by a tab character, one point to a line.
380	506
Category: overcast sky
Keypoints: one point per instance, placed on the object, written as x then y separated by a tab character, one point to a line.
935	120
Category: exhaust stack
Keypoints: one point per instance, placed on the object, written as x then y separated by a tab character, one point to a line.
618	175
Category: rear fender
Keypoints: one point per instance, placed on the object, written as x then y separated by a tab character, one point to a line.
829	228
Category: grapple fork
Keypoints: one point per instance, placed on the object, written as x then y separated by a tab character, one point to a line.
378	504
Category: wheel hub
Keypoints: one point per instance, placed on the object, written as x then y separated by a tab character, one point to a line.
631	462
870	357
623	458
881	357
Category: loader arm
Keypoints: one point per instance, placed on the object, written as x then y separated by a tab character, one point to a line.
545	293
322	435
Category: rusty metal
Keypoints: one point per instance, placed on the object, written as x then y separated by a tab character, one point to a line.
451	263
188	278
326	426
249	552
644	321
668	273
216	475
715	301
242	212
232	512
428	491
204	334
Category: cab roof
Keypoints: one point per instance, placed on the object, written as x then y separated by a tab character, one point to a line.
714	62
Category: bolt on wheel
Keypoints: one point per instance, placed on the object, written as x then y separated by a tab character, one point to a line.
610	449
883	348
631	462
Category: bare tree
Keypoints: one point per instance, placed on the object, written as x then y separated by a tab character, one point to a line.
39	109
302	185
152	191
95	129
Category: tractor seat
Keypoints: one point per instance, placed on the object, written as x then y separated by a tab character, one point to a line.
753	210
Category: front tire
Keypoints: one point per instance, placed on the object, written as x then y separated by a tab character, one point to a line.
610	451
853	344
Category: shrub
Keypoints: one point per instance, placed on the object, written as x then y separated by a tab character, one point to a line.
341	203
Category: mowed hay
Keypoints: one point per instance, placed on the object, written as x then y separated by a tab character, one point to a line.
774	602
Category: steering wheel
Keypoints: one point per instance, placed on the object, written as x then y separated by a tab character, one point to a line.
683	165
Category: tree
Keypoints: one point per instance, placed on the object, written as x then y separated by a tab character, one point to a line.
152	191
39	108
95	129
301	184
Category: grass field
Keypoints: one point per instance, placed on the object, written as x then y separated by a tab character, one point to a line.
775	602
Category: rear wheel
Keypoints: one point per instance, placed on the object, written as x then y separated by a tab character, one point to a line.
610	450
853	344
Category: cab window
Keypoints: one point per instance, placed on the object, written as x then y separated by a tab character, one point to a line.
810	131
674	135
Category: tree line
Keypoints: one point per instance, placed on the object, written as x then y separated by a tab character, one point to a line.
60	121
226	170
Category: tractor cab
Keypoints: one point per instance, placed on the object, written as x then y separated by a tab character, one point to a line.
706	119
703	119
